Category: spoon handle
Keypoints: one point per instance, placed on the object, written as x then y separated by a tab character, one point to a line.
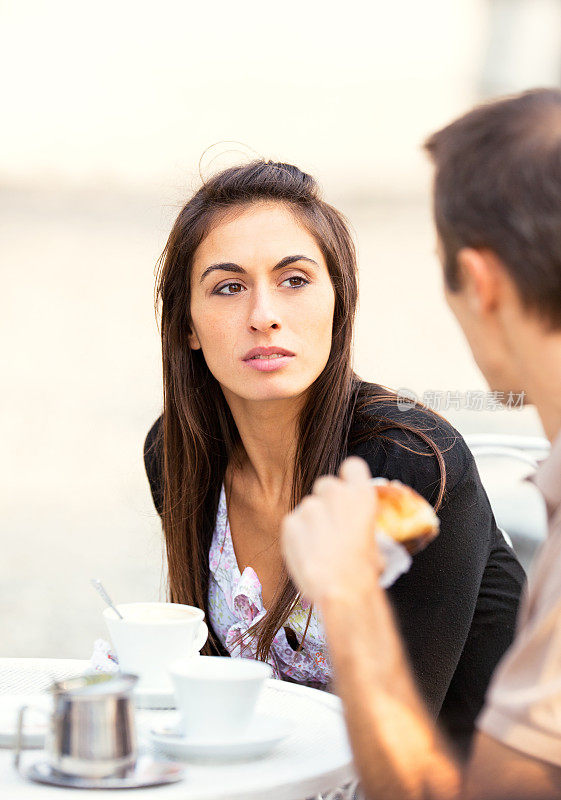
98	586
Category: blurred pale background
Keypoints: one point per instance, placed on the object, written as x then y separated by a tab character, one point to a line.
107	110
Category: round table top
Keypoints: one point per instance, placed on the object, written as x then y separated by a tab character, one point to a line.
314	758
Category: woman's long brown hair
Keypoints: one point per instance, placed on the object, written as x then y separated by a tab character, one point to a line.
198	436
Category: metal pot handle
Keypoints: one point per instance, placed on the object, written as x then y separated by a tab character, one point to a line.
18	746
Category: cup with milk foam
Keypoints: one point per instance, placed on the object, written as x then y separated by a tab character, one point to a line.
152	635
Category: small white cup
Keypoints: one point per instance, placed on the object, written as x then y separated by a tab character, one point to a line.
217	695
152	635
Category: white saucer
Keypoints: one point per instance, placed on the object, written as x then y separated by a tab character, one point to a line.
262	735
146	772
35	723
153	698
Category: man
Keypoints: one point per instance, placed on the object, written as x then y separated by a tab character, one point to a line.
497	205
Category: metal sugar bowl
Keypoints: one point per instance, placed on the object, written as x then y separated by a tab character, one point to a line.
92	727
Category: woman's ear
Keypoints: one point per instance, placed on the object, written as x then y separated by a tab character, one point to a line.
194	343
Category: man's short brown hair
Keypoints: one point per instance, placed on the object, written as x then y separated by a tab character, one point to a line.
498	186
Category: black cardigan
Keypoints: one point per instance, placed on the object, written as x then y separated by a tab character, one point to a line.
457	605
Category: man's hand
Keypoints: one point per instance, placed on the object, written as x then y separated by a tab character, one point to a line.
328	540
330	550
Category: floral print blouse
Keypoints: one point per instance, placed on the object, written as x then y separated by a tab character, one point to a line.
236	603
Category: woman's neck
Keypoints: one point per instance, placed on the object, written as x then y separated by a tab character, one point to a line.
269	433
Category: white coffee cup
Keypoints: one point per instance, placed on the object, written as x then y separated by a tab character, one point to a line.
152	635
217	696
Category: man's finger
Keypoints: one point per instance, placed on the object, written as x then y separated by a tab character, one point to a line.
308	506
325	485
292	529
355	470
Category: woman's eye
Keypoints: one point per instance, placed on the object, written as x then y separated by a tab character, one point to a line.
296	281
235	287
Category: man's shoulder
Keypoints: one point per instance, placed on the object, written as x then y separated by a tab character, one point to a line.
516	713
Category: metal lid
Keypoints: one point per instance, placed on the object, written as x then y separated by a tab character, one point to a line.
95	685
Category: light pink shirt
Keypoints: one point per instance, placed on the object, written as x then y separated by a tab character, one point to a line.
235	604
523	706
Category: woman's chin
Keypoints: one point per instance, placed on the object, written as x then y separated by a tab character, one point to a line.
271	394
263	391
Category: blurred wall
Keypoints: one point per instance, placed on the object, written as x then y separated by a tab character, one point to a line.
135	92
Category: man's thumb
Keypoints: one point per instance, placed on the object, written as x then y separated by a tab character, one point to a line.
355	470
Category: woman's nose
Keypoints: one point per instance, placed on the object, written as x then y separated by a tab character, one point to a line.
263	315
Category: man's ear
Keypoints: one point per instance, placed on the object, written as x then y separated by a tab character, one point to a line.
479	278
194	343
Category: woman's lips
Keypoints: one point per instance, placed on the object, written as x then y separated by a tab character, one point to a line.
267	359
268	363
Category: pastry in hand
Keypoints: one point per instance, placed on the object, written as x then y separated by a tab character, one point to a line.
404	515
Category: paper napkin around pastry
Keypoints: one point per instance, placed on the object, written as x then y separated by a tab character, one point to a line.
396	559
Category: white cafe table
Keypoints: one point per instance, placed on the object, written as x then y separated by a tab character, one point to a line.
315	758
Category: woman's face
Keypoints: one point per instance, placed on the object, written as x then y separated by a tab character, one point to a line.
261	304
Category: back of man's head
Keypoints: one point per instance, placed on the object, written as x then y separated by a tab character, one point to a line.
498	187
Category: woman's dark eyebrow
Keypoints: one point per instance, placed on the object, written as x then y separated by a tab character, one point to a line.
229	266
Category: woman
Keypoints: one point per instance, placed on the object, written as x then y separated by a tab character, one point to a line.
258	289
